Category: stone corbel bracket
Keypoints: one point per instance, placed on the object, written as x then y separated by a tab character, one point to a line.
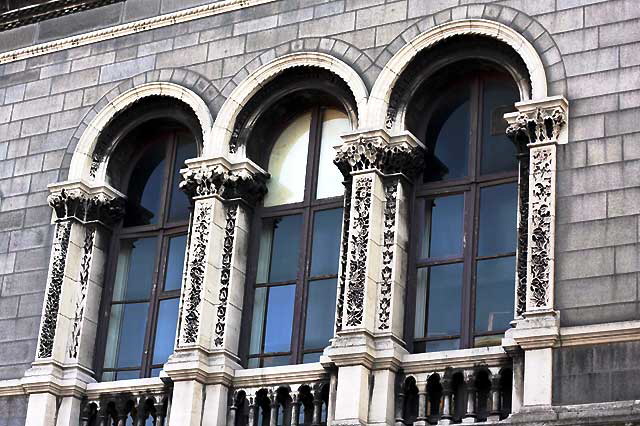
86	203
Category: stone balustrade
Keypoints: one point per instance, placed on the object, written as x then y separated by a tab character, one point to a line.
468	392
135	406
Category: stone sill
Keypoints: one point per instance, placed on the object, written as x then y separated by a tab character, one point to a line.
492	356
286	374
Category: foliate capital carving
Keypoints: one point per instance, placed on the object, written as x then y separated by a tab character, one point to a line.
77	204
375	152
538	126
218	179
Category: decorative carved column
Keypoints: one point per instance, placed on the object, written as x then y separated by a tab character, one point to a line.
213	289
66	341
539	126
378	169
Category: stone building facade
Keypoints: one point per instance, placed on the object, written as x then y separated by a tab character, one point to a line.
84	83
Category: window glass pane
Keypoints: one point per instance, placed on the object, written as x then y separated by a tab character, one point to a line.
146	184
108	376
130	327
179	206
279	319
493	340
285	247
327	225
128	374
155	372
275	361
321	309
334	124
175	262
165	330
442	345
311	357
448	138
445	297
498	152
443	224
498	213
288	164
494	294
135	269
257	322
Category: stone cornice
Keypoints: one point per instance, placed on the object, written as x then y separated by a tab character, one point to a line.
129	28
462	358
219	177
377	150
274	376
87	204
624	331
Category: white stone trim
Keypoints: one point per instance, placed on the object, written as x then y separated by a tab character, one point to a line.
11	388
286	374
82	156
94	390
460	358
595	334
226	118
381	92
160	21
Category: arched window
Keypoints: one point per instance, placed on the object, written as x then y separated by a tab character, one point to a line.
296	241
144	276
465	210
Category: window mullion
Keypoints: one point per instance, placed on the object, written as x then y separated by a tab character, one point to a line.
153	306
468	272
299	312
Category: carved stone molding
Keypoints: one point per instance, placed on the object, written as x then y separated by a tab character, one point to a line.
229	181
377	151
197	258
85	269
388	241
358	251
344	255
77	204
54	289
225	273
539	124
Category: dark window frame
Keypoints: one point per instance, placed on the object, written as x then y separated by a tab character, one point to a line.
307	208
469	186
163	230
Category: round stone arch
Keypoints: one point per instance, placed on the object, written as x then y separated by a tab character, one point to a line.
225	121
88	161
388	77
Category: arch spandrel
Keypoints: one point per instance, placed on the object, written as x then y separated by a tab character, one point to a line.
224	124
85	163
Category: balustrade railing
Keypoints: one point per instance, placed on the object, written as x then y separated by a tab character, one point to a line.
454	395
128	408
280	405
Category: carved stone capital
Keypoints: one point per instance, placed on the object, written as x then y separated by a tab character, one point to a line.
226	180
76	200
377	150
537	122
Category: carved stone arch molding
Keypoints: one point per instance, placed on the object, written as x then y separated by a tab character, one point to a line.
90	157
223	128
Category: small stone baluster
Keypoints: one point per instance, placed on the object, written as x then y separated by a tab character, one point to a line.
142	412
85	413
161	410
447	394
400	406
273	417
104	416
470	387
295	409
122	411
252	415
422	404
231	417
494	408
317	406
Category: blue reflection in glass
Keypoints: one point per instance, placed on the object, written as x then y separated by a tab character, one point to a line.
186	149
165	330
326	242
498	152
443	227
141	264
175	262
498	213
321	308
279	319
494	294
285	248
132	330
445	298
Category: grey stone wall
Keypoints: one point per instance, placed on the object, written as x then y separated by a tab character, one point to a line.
598	373
590	48
13	410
